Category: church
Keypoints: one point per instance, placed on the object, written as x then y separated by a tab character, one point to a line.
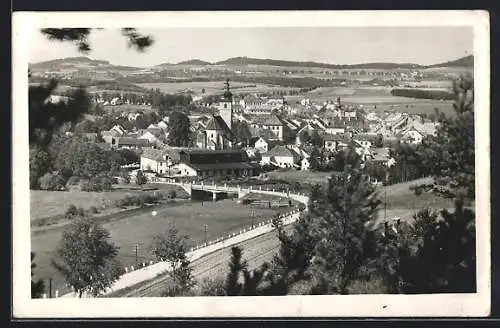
218	133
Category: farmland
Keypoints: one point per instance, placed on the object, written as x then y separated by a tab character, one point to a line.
221	217
212	87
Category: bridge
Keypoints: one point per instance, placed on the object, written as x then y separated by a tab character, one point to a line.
197	190
145	273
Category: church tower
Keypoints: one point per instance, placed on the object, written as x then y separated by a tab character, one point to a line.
226	106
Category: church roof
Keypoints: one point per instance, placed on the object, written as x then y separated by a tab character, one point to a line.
217	123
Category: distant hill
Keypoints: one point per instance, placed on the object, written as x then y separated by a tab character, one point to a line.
88	63
194	62
272	62
78	62
467	61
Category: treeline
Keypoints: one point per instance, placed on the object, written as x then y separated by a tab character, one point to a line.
169	102
423	94
72	161
296	82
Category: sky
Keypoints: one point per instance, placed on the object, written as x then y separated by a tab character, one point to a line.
333	45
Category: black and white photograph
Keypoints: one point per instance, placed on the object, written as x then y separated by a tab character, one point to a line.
251	164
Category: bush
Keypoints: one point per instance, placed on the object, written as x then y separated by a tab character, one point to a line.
98	183
52	182
93	210
171	194
212	287
73	212
72	181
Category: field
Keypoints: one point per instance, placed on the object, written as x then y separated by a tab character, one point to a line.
221	217
50	203
212	87
377	99
300	176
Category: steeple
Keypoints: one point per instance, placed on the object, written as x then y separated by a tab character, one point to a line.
227	93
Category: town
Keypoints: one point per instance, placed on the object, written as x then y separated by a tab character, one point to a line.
249	177
269	132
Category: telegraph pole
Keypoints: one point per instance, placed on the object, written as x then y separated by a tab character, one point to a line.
205	226
136	253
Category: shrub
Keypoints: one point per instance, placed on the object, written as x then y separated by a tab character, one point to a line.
73	212
171	194
212	287
93	210
73	180
52	182
98	183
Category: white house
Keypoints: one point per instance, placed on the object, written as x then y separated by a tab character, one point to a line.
282	157
412	136
305	164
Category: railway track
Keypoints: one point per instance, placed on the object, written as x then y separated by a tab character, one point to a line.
255	252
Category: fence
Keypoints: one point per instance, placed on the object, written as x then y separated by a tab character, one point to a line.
150	269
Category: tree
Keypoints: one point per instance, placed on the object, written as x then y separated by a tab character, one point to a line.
442	257
79	36
236	266
179	130
317	140
172	248
37	286
84	159
242	132
46	117
450	154
339	230
141	178
40	164
304	137
86	259
379	141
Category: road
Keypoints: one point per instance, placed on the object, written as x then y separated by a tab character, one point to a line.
255	251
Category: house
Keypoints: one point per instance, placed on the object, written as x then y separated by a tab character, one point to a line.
251	101
262	110
310	127
276	102
364	140
331	141
415	133
281	156
129	143
263	145
381	155
305	164
268	122
153	135
215	163
154	160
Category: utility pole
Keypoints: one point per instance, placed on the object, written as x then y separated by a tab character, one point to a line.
253	217
50	287
136	253
205	226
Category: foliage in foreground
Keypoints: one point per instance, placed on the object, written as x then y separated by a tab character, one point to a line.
86	258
